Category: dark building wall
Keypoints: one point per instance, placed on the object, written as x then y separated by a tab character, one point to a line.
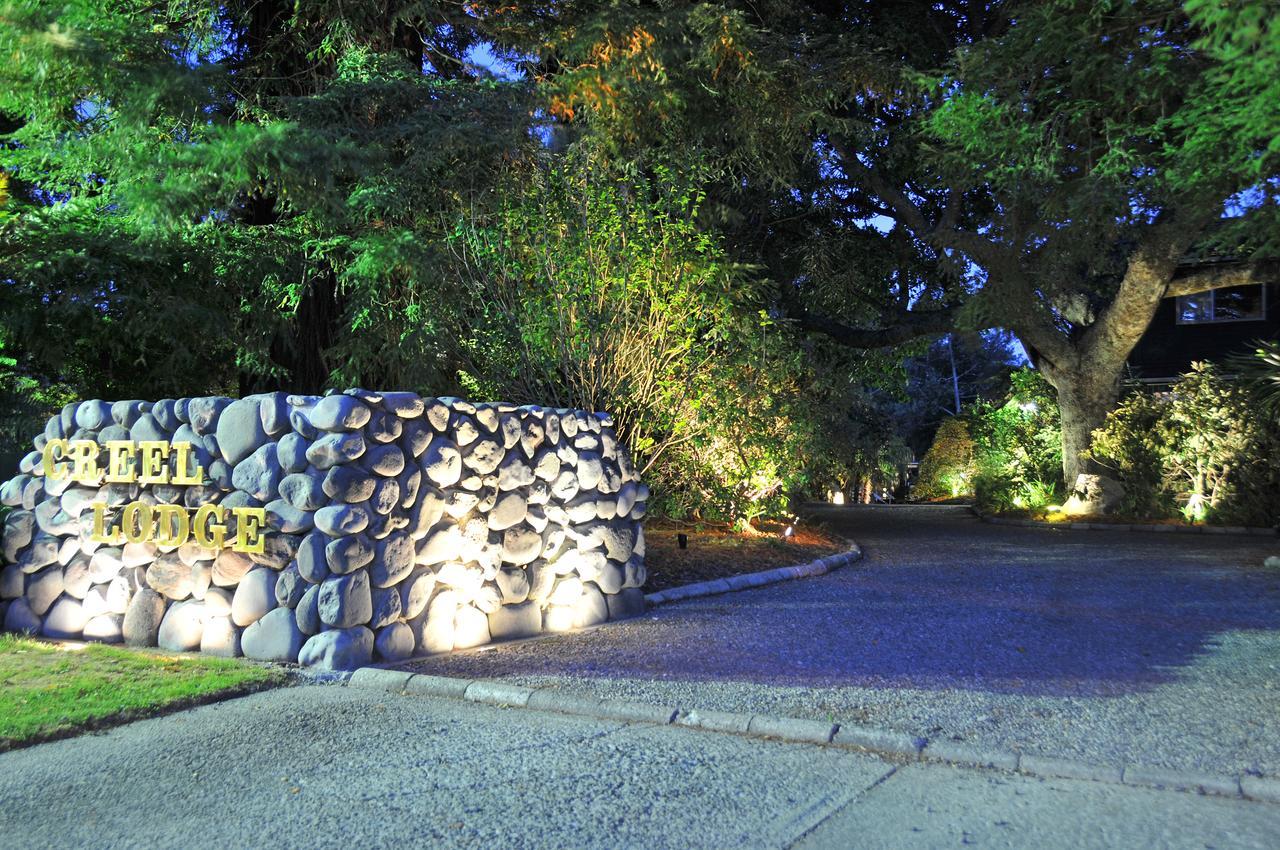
1167	349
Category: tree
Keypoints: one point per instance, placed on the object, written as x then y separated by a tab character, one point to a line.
245	195
1045	167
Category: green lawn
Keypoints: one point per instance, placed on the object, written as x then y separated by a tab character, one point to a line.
47	691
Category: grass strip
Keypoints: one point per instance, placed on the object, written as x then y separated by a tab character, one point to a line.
50	690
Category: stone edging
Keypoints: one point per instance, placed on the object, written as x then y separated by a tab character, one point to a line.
898	746
1237	530
816	567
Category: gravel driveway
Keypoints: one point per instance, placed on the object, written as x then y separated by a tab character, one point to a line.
1100	645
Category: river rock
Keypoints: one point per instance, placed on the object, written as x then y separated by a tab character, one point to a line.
520	545
104	628
310	558
142	621
628	603
442	463
415	592
386	497
220	637
345	601
335	448
239	430
284	517
386	606
274	637
394	642
43	589
338	649
342	519
307	614
289	587
384	460
258	474
339	413
182	627
75	577
470	627
230	567
305	490
392	561
254	596
291	452
18	617
349	483
169	577
19	526
217	602
515	621
347	554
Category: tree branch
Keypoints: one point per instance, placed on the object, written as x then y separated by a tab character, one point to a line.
905	325
1192	279
942	233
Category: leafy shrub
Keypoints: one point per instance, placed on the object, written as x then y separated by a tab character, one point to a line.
1131	448
946	470
1018	446
1200	450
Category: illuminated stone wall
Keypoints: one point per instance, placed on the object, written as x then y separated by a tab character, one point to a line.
394	525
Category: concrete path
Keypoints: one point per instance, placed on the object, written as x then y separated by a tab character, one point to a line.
1108	647
328	766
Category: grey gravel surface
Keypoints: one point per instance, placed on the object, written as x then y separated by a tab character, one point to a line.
1103	646
335	767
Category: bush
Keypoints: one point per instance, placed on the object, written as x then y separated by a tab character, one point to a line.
1018	446
946	471
1200	450
1130	447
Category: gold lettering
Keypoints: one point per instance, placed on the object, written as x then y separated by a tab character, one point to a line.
173	526
152	455
209	526
186	470
120	466
84	461
100	533
249	536
137	522
54	450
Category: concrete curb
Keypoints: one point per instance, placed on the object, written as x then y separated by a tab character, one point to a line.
746	581
886	743
1235	530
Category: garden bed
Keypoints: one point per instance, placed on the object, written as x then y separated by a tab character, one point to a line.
50	691
717	551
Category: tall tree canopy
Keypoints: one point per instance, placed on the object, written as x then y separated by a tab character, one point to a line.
907	168
257	190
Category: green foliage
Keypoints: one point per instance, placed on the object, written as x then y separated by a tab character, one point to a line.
1200	451
594	288
256	192
1130	448
946	470
1018	445
25	406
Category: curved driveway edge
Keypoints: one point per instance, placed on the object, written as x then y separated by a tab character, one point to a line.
817	567
1237	530
895	746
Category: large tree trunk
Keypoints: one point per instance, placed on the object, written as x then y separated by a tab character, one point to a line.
1087	392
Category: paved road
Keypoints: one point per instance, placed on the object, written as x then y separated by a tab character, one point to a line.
328	766
1099	645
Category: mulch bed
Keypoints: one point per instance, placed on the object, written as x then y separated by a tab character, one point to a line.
717	551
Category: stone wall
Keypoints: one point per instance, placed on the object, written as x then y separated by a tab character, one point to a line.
395	525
